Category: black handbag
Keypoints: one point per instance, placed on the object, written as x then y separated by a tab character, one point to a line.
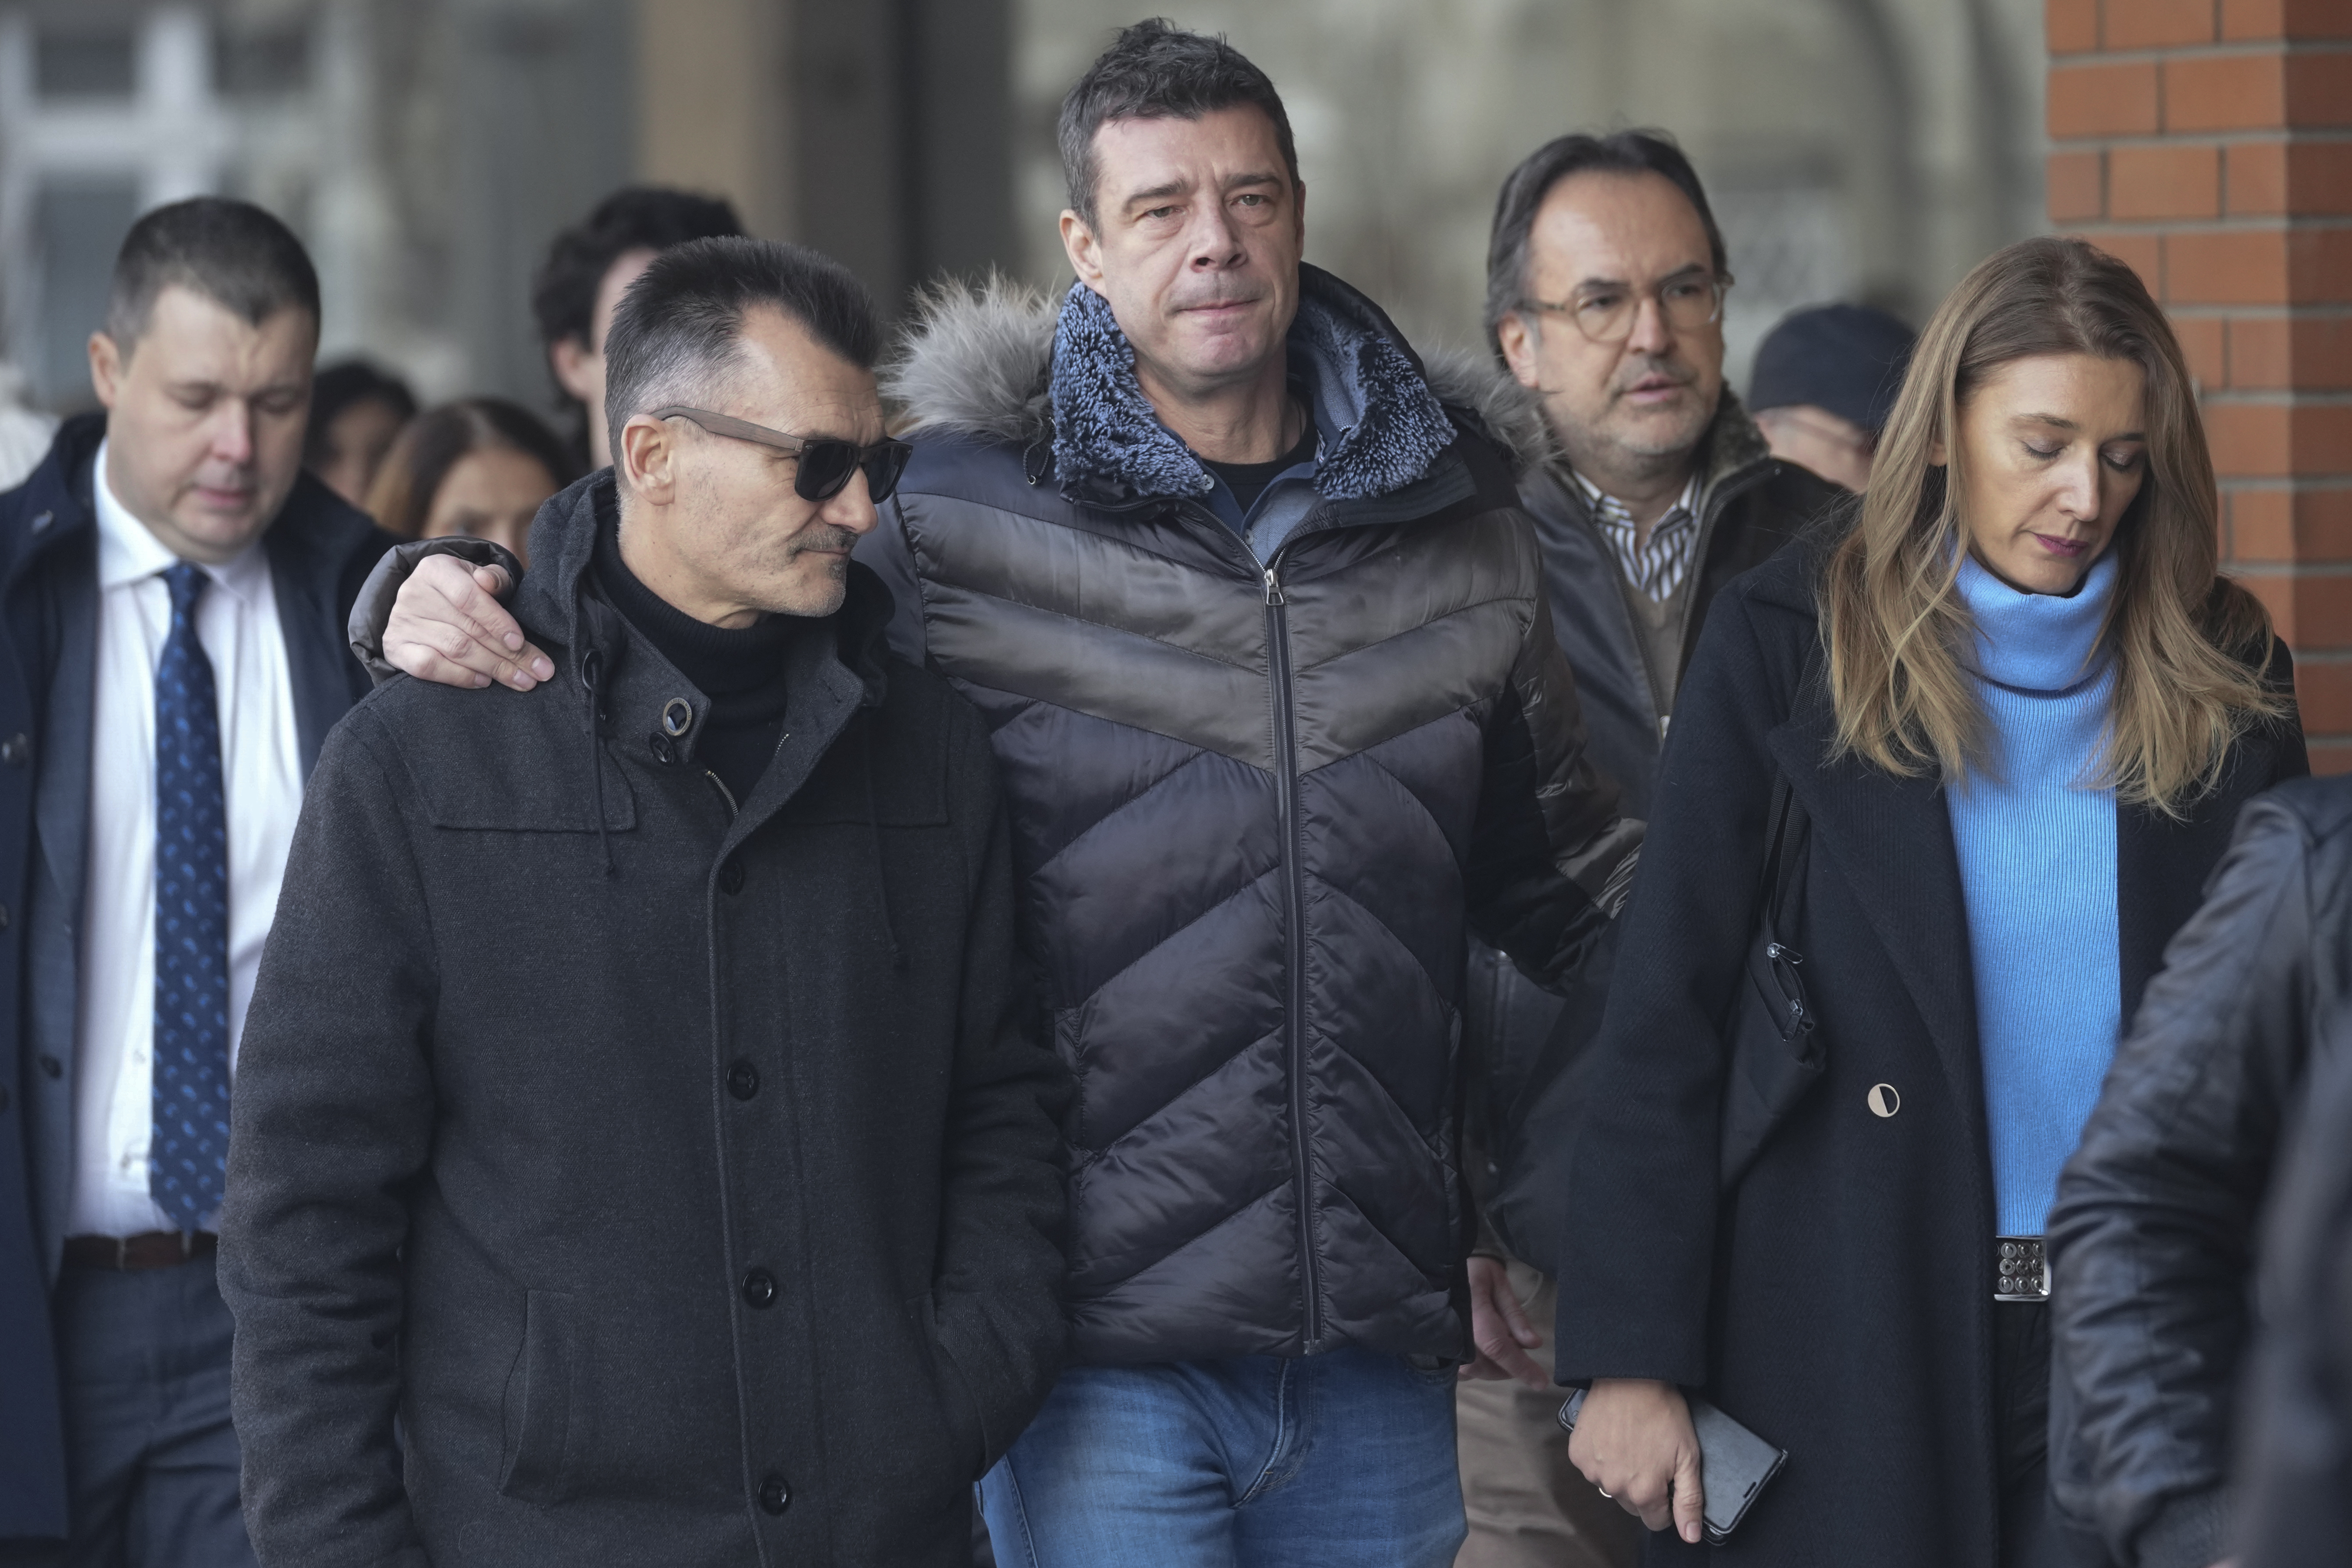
1776	1053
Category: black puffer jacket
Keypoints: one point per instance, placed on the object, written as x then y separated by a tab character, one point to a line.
1253	802
2154	1229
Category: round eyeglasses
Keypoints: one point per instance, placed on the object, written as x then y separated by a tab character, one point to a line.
1605	312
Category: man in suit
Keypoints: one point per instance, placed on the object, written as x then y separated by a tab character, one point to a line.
172	594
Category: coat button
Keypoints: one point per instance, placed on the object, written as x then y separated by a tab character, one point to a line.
742	1081
52	1066
775	1495
730	875
658	744
16	750
760	1288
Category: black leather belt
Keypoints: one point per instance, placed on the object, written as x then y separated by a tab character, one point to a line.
148	1250
2021	1273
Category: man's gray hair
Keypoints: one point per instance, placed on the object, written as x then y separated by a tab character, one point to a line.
231	252
678	331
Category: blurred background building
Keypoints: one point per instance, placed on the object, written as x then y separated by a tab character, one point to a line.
1859	150
427	148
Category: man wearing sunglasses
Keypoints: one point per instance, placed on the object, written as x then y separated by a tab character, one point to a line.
1604	305
640	1104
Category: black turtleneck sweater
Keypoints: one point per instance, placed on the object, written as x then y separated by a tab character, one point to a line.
741	672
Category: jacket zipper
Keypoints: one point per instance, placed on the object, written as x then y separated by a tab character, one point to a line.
1294	924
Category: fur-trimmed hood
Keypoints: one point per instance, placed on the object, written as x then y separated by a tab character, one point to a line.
1003	362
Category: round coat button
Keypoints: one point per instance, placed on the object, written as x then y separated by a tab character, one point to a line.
1883	1099
775	1495
52	1066
730	874
16	750
742	1081
760	1288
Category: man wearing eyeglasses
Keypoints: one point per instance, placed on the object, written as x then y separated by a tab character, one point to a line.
1604	303
640	1104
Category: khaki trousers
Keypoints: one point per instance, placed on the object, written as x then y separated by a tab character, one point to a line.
1526	1506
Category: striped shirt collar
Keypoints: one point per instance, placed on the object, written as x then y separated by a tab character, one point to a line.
1656	567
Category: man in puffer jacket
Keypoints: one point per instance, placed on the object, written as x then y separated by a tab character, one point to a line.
1260	631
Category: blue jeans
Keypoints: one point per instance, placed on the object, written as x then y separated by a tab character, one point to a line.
1342	1460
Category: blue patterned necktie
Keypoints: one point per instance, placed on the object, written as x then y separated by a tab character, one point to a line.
185	1161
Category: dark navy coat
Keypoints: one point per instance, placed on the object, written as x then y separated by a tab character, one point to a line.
319	550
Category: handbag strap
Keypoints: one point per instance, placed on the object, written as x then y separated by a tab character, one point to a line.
1774	885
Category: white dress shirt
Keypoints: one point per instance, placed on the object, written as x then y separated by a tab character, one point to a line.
261	773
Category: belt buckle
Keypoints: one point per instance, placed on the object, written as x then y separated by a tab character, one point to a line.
2023	1272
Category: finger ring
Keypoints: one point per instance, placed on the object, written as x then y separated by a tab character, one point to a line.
1605	1494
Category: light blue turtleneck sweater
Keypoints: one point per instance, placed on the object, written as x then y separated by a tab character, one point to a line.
2037	852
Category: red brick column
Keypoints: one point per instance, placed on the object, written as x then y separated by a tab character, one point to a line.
2209	143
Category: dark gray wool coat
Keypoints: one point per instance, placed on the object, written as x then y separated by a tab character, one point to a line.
1839	1299
685	1181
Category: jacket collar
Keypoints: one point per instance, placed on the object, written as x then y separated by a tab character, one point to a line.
55	503
1732	455
1381	427
557	605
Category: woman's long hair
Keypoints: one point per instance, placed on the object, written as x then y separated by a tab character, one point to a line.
401	499
2188	644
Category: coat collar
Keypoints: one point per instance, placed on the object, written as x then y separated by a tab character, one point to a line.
1732	457
1382	427
54	504
627	687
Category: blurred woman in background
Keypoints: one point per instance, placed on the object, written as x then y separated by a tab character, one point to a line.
478	467
1998	720
356	412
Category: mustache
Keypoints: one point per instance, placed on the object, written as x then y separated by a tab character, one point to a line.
825	537
1664	370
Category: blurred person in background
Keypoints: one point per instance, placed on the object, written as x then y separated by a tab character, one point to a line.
477	468
173	590
356	412
1823	386
2158	1225
587	269
2000	724
24	432
1650	490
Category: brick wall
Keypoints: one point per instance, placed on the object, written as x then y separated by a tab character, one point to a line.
2208	143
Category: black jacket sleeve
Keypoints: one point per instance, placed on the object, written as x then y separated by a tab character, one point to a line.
1636	1262
999	1287
2152	1233
371	610
333	1124
1551	859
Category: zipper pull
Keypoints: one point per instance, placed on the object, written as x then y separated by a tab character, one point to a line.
1273	589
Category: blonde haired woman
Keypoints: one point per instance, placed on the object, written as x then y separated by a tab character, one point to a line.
2012	710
